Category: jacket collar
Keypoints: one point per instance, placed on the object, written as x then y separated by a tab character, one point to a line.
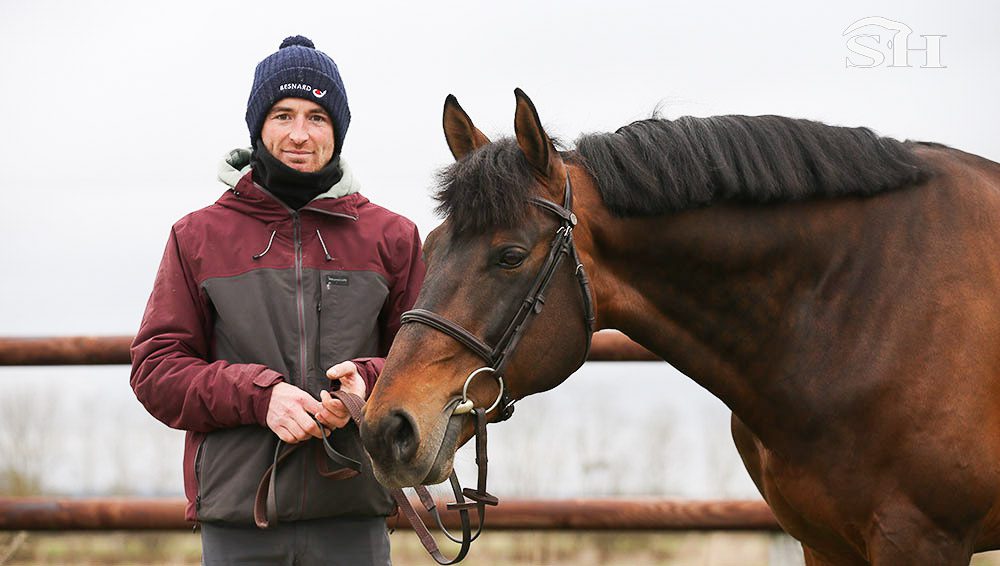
252	199
235	165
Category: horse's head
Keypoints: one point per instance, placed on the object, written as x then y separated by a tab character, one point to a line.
482	264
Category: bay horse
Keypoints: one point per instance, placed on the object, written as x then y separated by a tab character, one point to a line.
837	290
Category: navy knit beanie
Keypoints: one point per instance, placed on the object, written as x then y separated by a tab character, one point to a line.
299	70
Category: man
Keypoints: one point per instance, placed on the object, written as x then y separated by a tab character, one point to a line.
258	301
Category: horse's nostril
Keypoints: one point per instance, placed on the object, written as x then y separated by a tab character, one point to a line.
400	434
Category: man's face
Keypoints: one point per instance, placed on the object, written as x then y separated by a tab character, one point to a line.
299	133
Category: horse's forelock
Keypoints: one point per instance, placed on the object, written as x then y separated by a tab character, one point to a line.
487	189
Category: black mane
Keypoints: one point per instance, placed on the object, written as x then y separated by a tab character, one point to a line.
657	166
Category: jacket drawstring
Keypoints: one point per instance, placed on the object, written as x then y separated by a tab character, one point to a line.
322	243
271	239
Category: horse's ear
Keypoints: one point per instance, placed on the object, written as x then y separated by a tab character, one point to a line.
533	140
462	135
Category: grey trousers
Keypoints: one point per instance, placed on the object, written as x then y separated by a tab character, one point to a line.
326	542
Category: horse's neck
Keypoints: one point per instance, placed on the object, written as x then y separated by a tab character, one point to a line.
718	293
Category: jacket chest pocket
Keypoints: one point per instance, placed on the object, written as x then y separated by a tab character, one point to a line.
348	311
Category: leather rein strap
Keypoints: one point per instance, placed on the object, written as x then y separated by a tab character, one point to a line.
265	501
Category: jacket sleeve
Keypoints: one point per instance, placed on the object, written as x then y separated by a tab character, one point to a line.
408	267
171	374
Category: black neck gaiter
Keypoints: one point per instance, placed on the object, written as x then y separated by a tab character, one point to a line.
292	187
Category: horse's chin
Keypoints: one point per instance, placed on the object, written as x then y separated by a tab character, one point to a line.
444	462
438	470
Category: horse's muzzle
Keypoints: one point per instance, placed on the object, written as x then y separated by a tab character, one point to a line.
393	440
399	460
399	434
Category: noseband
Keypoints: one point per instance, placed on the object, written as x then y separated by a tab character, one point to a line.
497	356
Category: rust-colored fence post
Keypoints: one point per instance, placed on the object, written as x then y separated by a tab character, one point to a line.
55	514
608	345
65	351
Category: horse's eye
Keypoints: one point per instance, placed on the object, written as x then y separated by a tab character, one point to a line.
512	257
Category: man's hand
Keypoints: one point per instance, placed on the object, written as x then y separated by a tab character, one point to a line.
334	413
289	413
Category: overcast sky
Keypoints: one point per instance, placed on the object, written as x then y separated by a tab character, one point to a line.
116	113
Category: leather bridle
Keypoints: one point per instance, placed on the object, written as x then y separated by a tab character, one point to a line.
497	357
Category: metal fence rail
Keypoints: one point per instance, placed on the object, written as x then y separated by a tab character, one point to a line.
133	514
609	346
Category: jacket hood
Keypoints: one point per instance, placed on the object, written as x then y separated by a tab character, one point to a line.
343	199
236	164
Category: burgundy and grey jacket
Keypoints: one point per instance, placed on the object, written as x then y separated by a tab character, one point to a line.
250	293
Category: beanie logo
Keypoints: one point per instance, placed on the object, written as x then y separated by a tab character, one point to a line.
300	86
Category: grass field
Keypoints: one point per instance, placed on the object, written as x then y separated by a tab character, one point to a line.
494	549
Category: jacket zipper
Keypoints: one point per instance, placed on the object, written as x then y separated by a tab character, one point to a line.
301	304
199	473
300	299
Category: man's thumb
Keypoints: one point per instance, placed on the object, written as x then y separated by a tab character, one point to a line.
340	370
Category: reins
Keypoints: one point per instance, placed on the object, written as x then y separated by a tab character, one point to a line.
497	357
265	509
